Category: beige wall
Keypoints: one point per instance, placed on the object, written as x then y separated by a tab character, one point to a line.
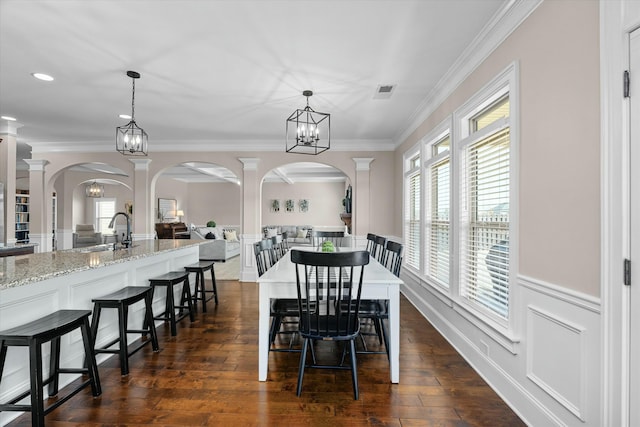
559	167
214	201
325	203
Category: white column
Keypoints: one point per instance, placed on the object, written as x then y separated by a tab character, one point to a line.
360	218
250	218
38	206
8	148
142	218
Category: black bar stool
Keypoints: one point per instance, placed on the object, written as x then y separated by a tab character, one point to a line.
121	300
168	280
33	335
200	292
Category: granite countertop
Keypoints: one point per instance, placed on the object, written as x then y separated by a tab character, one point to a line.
24	269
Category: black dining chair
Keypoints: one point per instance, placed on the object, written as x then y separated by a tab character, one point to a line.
380	243
335	237
378	310
329	286
281	308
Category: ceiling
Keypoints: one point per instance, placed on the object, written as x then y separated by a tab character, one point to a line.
224	75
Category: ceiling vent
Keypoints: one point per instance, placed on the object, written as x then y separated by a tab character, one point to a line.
384	91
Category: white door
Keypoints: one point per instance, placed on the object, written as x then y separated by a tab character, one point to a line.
634	121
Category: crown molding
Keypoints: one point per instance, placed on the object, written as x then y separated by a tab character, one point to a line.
503	23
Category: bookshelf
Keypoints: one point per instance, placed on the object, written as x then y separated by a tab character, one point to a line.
22	216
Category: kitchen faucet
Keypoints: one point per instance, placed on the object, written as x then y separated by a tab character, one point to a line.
127	240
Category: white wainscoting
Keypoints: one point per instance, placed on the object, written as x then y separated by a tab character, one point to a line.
551	374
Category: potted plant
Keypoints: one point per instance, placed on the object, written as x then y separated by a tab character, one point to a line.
211	224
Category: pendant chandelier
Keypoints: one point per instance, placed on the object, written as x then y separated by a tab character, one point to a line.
131	139
308	131
94	190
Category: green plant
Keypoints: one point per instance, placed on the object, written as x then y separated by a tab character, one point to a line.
211	223
327	246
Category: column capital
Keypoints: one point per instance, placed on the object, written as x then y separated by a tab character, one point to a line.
9	127
363	163
250	163
140	164
36	164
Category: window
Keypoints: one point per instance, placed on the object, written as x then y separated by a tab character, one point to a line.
438	207
484	209
412	212
104	210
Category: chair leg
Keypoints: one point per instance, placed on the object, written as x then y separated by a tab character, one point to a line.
54	367
124	346
171	311
303	359
186	288
87	340
200	288
37	396
215	287
148	322
354	369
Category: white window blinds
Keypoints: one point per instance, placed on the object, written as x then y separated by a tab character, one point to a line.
104	209
484	212
438	221
412	231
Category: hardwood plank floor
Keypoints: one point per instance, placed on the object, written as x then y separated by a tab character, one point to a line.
207	375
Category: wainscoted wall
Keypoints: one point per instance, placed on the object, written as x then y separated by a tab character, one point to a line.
549	371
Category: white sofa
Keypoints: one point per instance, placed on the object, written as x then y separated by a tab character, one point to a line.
219	248
293	231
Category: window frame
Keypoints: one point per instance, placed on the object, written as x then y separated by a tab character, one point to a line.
505	83
441	131
96	219
410	170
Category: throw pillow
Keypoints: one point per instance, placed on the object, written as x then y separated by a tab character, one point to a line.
230	235
301	234
272	232
210	235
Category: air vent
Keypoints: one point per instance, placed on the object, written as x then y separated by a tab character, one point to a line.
384	91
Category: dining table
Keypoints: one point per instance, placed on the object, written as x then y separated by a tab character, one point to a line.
279	281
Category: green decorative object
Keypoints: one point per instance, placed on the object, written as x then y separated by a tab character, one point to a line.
211	223
327	246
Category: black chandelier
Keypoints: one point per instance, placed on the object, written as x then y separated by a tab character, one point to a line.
308	131
130	138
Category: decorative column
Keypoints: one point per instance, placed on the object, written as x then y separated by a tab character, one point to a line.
8	134
38	206
142	218
361	206
250	218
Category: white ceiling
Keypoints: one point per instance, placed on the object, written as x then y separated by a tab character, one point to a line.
224	75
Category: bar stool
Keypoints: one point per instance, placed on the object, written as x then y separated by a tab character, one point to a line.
121	300
168	280
33	335
199	268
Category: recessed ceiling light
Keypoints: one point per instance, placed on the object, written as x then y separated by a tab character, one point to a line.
43	77
125	116
11	119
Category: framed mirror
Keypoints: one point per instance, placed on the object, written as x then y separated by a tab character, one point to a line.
167	210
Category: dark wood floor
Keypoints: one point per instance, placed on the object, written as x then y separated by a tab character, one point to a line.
208	375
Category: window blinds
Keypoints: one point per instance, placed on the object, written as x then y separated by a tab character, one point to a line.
413	221
485	219
438	224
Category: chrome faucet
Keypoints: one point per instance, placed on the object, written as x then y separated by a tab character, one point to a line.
126	242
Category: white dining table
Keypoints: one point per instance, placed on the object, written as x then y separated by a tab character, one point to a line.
280	282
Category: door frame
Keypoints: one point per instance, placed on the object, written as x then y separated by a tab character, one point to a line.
615	210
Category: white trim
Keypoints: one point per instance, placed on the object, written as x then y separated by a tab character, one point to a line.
614	218
579	299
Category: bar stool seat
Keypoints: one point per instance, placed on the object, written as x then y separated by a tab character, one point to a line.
121	300
168	280
33	335
200	292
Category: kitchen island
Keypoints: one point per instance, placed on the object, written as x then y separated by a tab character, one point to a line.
32	286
